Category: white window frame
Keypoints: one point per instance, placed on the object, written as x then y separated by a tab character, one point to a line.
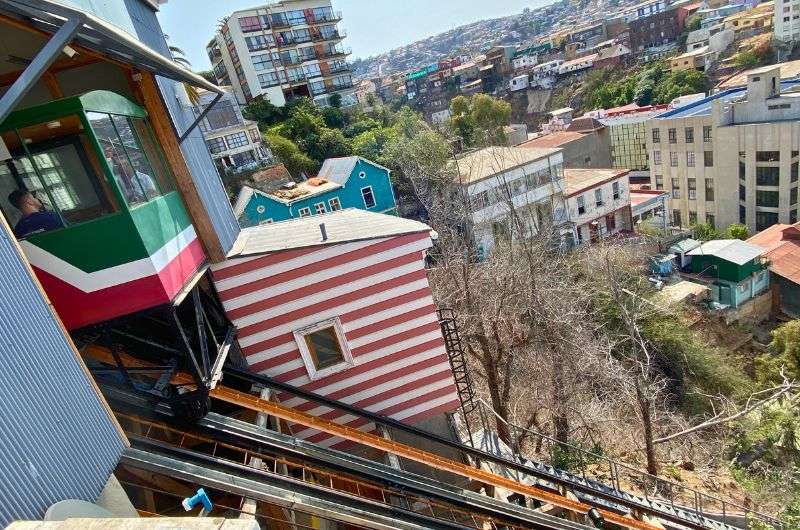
308	359
317	208
338	203
305	211
374	199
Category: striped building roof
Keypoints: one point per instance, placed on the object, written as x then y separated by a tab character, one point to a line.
376	287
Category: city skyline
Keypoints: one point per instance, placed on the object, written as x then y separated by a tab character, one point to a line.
369	32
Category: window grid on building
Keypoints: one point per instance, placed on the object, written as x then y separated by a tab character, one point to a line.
235	140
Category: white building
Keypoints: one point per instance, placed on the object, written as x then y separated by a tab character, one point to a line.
234	142
732	157
525	61
786	20
576	65
519	82
499	180
283	50
598	202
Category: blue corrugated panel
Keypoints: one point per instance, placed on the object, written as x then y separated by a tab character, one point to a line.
198	159
56	438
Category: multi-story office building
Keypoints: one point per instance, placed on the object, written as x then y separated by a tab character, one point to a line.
628	133
731	157
234	142
283	50
786	20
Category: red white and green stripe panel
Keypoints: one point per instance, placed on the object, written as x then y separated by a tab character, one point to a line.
378	289
117	265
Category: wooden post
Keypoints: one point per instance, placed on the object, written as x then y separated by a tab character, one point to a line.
149	95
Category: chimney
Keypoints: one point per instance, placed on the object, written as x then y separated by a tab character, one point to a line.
323	231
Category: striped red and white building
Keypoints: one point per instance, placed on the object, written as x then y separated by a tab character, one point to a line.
364	270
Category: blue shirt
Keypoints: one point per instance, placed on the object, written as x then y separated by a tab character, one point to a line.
37	222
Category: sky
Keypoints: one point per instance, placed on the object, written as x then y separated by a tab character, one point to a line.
373	26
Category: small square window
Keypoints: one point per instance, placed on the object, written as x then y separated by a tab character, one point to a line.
304	212
335	204
324	348
319	208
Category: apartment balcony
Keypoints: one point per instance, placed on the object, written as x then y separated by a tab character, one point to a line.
337	87
335	16
279	23
338	69
331	54
331	36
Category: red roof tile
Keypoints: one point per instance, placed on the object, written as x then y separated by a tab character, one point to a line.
782	243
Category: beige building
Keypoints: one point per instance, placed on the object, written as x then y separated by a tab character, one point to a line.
696	59
732	157
282	50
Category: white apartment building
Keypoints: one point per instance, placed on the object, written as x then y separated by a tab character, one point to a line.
731	157
598	203
234	143
786	20
499	180
283	50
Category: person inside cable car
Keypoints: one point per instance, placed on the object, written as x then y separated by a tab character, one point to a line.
35	218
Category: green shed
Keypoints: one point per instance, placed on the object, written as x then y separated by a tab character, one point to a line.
727	259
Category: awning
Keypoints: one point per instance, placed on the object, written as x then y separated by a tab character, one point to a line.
101	37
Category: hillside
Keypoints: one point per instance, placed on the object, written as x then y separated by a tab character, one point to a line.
467	39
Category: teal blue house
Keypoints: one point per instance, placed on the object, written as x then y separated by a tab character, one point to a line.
736	270
348	182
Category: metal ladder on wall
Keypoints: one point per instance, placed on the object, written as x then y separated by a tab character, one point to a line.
458	363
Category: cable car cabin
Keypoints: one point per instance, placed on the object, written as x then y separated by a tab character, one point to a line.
95	208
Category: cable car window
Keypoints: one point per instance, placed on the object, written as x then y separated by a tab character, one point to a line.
54	174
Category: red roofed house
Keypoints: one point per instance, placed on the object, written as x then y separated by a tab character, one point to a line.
782	245
598	202
339	304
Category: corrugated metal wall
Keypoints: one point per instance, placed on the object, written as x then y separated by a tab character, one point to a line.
206	177
56	438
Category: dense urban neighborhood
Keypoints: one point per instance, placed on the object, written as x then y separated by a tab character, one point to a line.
539	271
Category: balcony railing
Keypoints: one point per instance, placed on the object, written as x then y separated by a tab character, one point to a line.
341	86
333	35
334	16
339	52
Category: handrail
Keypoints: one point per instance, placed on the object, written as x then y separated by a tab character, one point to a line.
614	466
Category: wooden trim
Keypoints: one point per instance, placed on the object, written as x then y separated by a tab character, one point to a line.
147	91
52	85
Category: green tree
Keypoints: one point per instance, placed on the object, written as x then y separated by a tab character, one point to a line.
693	23
746	59
371	143
480	119
287	152
362	125
705	232
680	83
330	143
264	112
783	360
334	117
738	231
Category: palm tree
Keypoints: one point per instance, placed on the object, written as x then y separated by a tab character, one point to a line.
179	58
